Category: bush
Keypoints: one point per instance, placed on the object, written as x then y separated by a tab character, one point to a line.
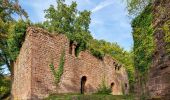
4	87
104	89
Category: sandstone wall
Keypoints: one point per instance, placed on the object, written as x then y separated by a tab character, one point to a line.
159	75
46	49
21	85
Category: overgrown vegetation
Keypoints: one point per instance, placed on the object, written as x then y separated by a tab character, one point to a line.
103	88
166	29
58	73
5	86
135	7
143	40
16	37
66	19
144	47
100	48
11	33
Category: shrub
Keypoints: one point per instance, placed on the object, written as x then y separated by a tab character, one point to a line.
103	88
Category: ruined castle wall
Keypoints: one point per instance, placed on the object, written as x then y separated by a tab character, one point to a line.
95	70
159	75
76	68
21	86
46	49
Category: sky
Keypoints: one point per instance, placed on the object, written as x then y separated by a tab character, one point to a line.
109	18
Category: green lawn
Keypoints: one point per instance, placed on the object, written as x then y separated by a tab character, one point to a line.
89	97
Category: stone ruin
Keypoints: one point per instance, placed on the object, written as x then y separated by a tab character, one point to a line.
159	73
33	78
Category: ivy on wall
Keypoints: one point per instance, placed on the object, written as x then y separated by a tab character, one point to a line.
143	40
58	73
166	29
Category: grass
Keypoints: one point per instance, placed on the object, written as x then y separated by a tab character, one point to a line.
89	97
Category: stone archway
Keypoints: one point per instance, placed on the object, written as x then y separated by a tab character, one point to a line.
112	86
83	81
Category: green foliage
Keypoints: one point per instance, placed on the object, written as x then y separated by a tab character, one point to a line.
16	36
143	40
58	73
66	19
135	7
103	88
7	8
100	48
41	25
11	37
5	86
144	46
166	29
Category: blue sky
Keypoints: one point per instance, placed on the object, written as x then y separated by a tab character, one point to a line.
109	19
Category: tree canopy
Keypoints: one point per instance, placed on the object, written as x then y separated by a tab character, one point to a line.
7	8
66	19
135	7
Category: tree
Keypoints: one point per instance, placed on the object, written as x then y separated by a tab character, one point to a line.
66	19
11	38
135	7
7	8
16	36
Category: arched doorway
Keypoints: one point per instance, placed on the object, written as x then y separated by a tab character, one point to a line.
83	81
111	86
126	85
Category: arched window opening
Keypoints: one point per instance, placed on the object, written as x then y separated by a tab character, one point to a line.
73	46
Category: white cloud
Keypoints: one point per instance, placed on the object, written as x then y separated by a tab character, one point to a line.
102	5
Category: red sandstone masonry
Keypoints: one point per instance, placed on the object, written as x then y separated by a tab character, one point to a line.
159	75
21	87
41	49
